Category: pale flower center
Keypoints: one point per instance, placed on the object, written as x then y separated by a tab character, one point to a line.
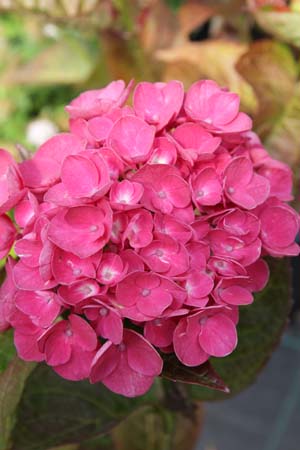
103	311
145	292
162	194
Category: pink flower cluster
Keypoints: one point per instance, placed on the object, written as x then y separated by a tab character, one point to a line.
141	232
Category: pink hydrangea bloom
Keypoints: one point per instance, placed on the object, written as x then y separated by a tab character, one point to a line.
153	217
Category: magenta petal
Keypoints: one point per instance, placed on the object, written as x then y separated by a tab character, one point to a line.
259	275
187	347
8	234
111	327
244	187
68	268
83	334
43	307
207	189
75	293
99	127
142	357
104	362
30	279
274	235
236	295
155	304
57	348
241	123
132	139
29	250
78	367
82	230
125	381
160	332
7	292
218	335
27	346
158	103
80	168
226	107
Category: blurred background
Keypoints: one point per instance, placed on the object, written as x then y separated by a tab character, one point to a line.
50	50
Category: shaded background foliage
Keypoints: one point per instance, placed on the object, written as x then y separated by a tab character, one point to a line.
52	50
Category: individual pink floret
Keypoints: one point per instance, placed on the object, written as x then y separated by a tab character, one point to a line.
91	169
42	307
166	256
207	333
279	227
30	278
128	368
26	335
280	177
105	319
111	269
158	103
206	188
132	139
230	291
198	285
243	186
144	296
68	268
75	293
69	347
215	108
139	229
229	246
125	195
164	152
169	225
258	276
242	224
164	188
43	169
194	142
99	101
83	230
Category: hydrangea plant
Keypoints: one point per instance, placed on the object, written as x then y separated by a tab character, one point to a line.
140	234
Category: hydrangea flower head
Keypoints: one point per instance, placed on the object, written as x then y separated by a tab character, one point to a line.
140	232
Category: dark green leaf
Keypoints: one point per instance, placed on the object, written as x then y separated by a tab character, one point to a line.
54	411
11	386
7	349
203	375
65	447
260	328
